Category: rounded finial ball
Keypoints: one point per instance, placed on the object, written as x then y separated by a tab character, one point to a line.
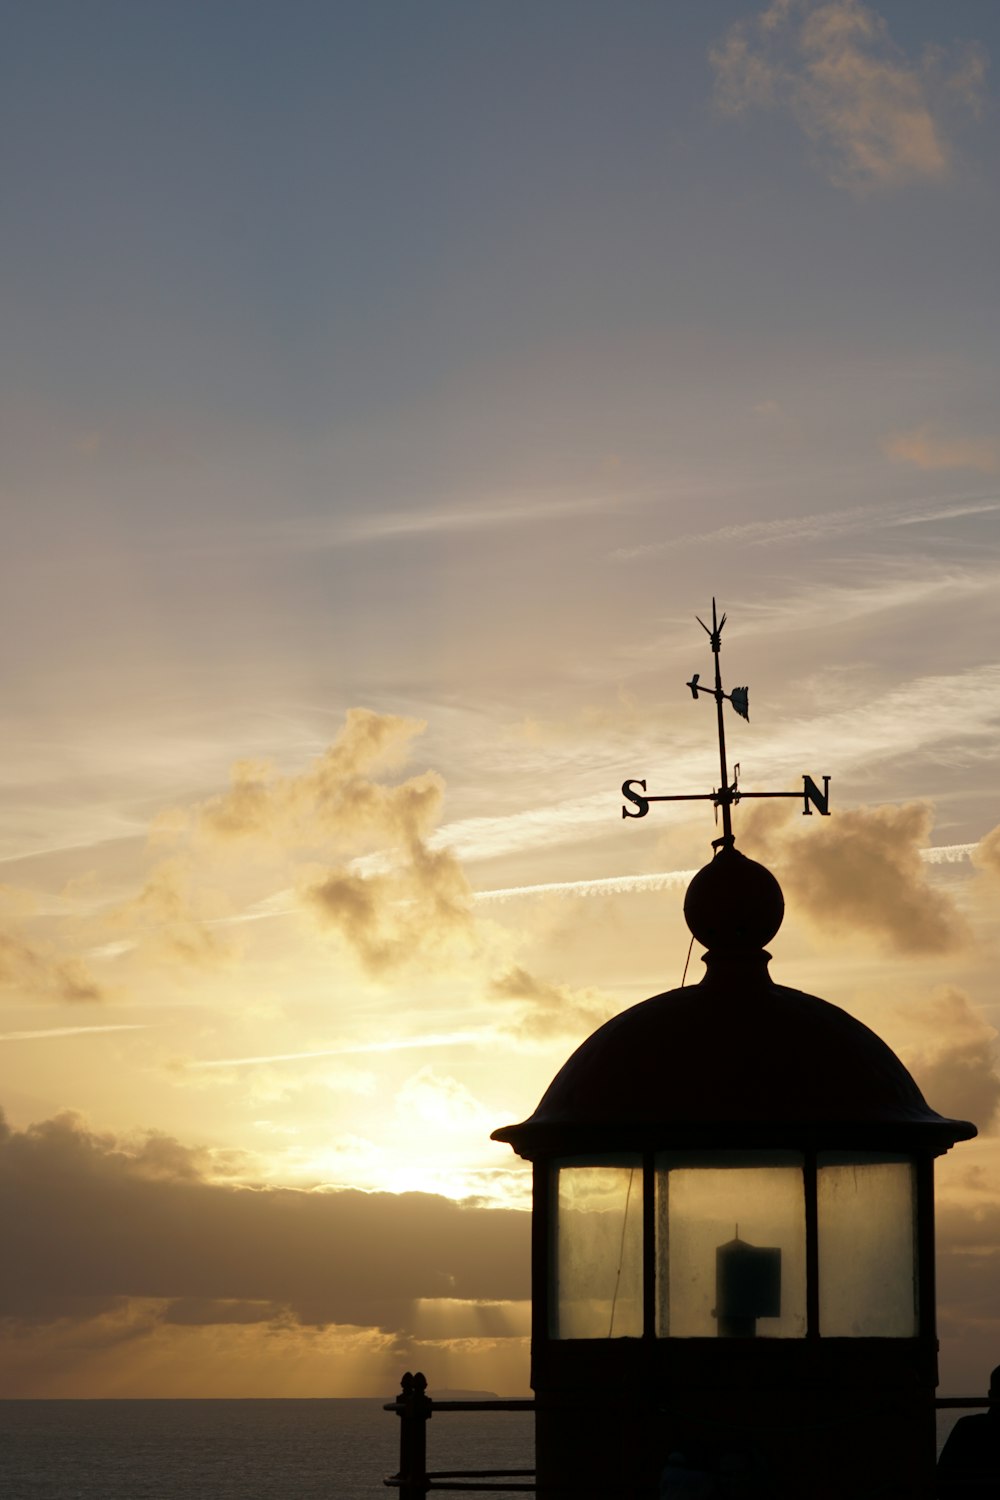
734	905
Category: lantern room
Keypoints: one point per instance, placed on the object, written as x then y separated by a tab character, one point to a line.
733	1238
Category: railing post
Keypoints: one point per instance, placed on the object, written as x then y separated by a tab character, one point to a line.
414	1415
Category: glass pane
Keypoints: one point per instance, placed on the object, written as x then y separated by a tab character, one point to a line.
597	1260
731	1246
867	1249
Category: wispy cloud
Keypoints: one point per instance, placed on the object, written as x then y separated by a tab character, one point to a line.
887	589
471	515
821	526
962	705
876	116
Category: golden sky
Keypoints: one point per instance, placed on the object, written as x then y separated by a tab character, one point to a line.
387	389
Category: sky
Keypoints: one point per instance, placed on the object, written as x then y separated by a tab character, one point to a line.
387	388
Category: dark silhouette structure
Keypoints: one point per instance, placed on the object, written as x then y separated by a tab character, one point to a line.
969	1465
796	1357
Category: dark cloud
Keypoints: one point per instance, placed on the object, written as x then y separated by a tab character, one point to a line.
88	1221
421	908
864	875
968	1294
197	1312
962	1081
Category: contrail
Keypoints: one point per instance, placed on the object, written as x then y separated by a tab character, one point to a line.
611	885
402	1044
32	1036
662	880
947	854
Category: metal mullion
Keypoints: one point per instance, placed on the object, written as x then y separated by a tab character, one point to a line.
809	1184
648	1246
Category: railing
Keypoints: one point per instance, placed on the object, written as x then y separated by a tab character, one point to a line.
414	1481
413	1407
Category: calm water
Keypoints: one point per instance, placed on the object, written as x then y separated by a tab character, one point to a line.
240	1450
232	1450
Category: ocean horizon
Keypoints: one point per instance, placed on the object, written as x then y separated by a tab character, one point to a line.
225	1448
241	1448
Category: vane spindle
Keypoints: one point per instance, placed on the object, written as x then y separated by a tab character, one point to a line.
727	793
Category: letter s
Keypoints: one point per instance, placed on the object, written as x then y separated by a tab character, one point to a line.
642	803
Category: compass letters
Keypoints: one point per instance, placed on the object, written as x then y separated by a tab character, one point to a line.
728	797
727	793
812	793
642	803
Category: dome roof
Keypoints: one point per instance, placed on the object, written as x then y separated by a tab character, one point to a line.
736	1060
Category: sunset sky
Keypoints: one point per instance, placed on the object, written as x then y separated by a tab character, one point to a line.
386	387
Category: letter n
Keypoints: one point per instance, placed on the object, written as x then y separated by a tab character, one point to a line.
819	799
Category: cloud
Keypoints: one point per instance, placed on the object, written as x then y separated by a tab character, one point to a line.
91	1219
958	1075
363	859
391	897
496	514
986	853
36	971
333	799
548	1009
428	1098
165	921
422	909
819	526
196	1312
955	707
968	1291
876	116
929	448
865	875
421	904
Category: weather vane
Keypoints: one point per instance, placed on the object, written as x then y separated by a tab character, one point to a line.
728	793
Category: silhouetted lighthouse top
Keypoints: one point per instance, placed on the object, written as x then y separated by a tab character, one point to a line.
736	1057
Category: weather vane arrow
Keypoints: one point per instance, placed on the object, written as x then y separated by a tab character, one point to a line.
728	793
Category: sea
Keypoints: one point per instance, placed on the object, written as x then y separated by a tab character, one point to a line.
234	1450
241	1450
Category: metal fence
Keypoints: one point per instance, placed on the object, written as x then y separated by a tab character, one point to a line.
415	1481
